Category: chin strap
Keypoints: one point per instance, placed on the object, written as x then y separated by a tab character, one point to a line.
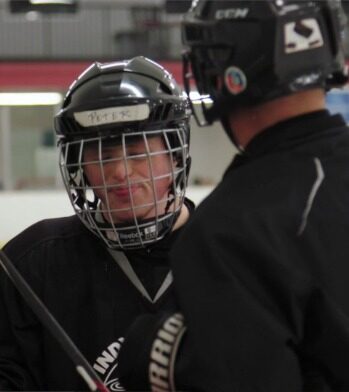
131	236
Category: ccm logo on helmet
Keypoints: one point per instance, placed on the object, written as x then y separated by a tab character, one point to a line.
232	13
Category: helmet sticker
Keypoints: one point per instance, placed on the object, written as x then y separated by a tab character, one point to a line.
117	114
302	35
235	80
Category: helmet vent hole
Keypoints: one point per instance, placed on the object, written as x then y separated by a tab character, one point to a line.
158	113
162	88
166	111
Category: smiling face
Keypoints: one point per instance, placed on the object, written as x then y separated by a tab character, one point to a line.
131	178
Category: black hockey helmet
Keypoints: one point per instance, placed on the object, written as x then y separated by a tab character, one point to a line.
245	52
116	103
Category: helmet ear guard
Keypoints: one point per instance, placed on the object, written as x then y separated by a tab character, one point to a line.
115	103
292	46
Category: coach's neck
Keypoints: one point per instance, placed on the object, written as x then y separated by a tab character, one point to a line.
248	122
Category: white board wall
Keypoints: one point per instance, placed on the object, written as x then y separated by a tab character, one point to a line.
21	209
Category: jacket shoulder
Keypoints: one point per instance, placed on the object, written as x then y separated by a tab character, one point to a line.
44	231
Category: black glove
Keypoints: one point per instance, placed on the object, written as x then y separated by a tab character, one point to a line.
148	355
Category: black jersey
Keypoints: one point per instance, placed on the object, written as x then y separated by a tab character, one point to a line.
93	292
262	270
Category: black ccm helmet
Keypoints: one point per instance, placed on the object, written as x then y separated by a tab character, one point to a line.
118	105
243	52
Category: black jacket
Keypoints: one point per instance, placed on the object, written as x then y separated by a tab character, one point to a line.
90	296
262	270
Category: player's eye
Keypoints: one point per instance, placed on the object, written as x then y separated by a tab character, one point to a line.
106	156
136	152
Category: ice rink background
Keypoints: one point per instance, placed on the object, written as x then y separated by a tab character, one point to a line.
20	209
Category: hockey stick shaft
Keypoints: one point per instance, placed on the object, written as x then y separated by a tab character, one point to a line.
44	315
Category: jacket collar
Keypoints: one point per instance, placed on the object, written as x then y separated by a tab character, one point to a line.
285	134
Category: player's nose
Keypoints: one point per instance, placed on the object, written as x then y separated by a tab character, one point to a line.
121	169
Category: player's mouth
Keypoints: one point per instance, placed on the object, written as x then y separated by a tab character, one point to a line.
125	192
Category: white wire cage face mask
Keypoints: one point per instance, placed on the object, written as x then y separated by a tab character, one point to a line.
128	189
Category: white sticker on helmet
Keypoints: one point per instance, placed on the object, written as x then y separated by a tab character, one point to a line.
112	115
302	35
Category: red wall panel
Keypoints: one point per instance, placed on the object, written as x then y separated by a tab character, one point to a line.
53	75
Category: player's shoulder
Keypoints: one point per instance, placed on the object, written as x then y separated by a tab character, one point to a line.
44	231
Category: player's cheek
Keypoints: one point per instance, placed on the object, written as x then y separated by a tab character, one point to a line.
162	187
